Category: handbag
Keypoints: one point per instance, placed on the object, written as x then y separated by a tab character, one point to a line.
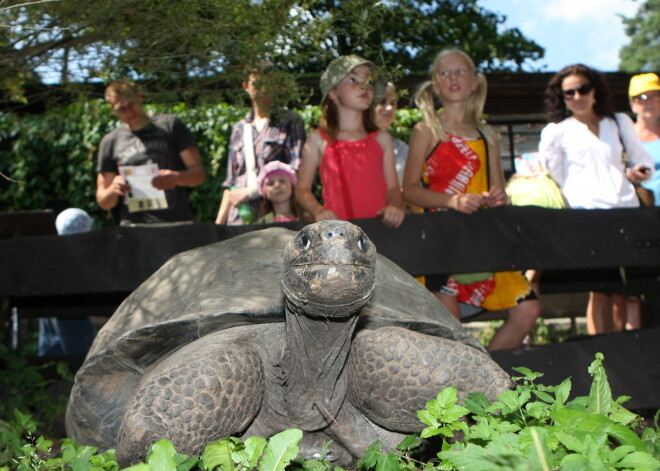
532	185
644	195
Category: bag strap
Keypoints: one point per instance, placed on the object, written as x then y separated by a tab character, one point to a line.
644	195
487	146
624	153
250	161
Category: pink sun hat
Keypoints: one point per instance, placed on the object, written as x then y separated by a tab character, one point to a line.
275	168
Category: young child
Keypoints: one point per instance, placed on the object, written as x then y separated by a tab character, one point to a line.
355	159
276	183
454	163
385	114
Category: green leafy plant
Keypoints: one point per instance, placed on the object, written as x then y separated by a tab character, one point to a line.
12	437
227	454
29	408
537	427
40	405
272	455
77	457
33	453
531	427
404	123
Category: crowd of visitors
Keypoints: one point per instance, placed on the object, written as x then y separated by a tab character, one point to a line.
589	157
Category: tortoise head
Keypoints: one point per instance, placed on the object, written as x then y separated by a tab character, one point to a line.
329	269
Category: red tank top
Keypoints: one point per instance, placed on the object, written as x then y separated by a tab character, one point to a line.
352	177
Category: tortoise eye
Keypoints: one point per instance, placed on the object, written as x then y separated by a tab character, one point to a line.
304	242
362	243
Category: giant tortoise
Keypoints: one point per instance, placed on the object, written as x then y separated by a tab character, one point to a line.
273	330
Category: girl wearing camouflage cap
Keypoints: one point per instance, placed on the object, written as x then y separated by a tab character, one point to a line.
355	159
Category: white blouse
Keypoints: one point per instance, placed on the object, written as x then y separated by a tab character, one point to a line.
589	168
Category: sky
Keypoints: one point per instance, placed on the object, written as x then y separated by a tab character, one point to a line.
570	31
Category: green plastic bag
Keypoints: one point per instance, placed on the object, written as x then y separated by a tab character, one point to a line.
469	278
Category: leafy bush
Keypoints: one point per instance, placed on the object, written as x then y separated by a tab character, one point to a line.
531	427
18	377
27	406
537	427
51	158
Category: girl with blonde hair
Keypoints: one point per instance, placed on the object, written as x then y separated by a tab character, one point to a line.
454	164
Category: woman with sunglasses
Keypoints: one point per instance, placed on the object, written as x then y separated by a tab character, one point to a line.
583	147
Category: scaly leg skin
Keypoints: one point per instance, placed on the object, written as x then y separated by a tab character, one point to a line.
200	394
393	372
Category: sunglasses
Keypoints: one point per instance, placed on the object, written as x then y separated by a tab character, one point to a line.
644	97
582	90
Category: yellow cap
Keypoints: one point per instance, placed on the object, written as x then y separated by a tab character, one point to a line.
643	83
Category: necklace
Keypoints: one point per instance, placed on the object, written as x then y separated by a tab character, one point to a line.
460	129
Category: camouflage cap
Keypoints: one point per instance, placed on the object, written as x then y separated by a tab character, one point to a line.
338	69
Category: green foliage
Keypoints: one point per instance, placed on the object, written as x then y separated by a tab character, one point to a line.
211	126
230	454
442	414
227	454
545	331
531	427
165	44
20	376
33	454
402	126
536	427
28	409
189	50
77	457
51	158
281	449
12	438
376	458
409	33
642	54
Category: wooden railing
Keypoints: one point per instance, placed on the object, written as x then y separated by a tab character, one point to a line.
89	274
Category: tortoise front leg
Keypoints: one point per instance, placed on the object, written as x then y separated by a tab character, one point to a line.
202	393
393	372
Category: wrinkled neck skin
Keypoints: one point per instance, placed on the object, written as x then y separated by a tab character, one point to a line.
312	367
